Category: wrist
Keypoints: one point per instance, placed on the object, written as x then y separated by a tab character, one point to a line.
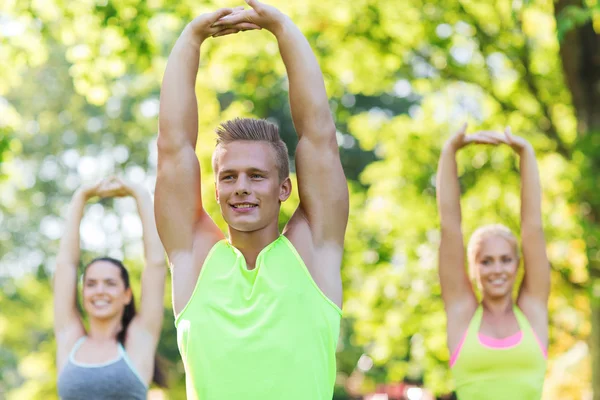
139	193
193	35
83	194
281	27
450	148
526	149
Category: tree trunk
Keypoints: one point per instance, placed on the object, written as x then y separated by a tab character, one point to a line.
580	54
594	343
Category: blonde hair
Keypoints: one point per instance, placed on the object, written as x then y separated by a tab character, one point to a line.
250	129
480	235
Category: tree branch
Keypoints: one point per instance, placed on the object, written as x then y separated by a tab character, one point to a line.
551	131
485	40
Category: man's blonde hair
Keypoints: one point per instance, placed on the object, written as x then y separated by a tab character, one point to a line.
251	129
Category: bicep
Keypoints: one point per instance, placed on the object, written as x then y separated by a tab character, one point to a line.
68	327
536	280
66	314
454	281
152	300
322	188
457	292
178	202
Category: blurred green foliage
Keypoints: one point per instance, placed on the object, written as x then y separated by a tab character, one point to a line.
79	101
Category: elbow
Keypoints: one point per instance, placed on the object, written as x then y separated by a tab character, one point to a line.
328	130
330	143
451	225
327	139
169	143
531	228
156	262
164	143
320	130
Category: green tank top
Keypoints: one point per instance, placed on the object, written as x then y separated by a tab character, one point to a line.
483	372
266	333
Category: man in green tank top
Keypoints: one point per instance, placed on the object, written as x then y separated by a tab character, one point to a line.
257	312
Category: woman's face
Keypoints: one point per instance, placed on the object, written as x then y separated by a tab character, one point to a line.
104	292
496	267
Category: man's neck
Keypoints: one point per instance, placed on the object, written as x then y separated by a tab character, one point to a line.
250	244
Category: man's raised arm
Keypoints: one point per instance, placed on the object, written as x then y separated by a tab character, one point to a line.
180	218
308	99
322	185
178	203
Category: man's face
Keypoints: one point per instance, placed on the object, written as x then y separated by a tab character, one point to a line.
248	187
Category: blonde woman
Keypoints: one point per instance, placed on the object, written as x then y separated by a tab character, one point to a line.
497	346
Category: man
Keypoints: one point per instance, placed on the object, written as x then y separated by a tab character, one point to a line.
257	314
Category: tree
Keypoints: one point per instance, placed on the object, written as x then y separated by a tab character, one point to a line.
580	55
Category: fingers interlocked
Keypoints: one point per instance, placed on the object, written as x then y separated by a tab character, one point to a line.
234	22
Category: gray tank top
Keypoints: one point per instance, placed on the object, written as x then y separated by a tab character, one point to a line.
115	379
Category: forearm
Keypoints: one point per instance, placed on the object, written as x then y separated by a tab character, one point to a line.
153	248
308	98
69	252
448	190
531	193
178	114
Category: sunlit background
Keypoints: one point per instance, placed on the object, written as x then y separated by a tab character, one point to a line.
79	90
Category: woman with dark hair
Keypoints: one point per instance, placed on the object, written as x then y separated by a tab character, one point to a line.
114	358
497	345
